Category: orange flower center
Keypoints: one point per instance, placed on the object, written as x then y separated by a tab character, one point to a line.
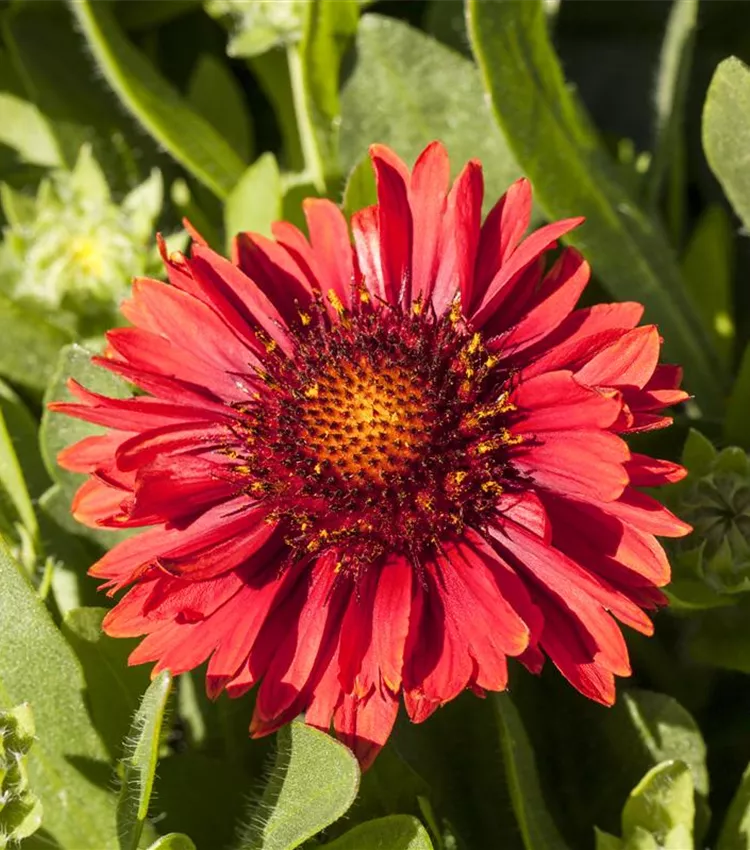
367	423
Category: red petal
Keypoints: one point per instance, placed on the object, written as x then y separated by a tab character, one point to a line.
329	236
459	238
364	725
630	361
367	244
427	197
526	254
556	402
501	232
394	224
583	463
647	471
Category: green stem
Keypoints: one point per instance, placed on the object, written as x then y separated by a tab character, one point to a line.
310	153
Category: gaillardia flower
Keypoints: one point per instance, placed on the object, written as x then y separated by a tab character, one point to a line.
382	469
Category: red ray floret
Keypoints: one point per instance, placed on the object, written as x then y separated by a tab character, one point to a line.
376	467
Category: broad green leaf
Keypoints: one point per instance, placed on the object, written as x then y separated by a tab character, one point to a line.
661	806
173	841
30	345
139	764
670	94
360	191
406	89
726	132
737	419
313	781
668	732
215	93
68	766
58	431
113	689
190	139
735	831
255	202
707	268
397	832
534	820
573	176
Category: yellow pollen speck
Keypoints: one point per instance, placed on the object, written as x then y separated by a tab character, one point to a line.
455	313
305	318
476	341
417	308
492	487
364	296
336	302
312	391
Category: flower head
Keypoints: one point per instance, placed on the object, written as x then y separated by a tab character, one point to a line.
379	471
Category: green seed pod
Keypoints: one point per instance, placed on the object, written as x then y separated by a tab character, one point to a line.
73	248
20	809
713	563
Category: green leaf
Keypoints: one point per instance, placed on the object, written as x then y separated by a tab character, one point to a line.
737	419
59	431
406	90
707	268
735	831
534	820
668	732
573	176
190	139
605	841
314	780
360	191
113	689
726	132
216	94
23	128
22	472
173	841
255	202
661	805
37	665
670	93
30	345
140	762
397	832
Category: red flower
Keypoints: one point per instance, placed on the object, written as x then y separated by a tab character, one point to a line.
381	470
